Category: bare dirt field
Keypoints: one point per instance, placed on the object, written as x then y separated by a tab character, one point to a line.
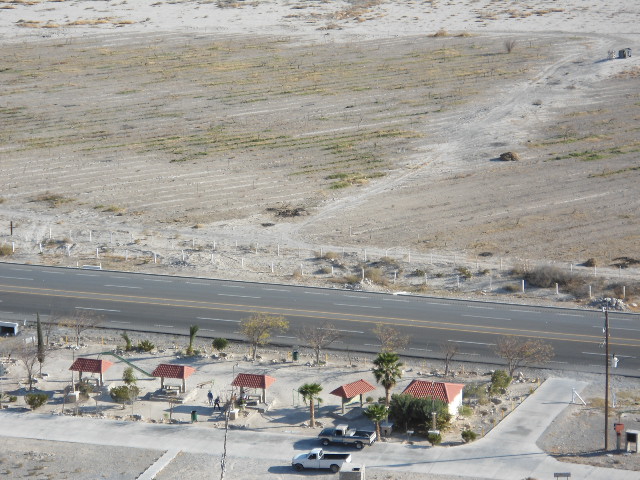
144	147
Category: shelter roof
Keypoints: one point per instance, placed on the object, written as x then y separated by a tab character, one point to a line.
92	365
167	370
353	389
250	380
440	390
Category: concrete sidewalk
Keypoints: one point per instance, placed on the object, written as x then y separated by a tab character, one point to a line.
508	452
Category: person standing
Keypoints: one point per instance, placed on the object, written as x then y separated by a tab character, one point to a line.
210	397
216	404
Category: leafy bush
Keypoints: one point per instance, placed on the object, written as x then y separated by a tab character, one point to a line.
465	410
124	393
36	400
499	381
220	344
511	288
145	346
477	391
434	438
85	388
415	413
469	436
128	377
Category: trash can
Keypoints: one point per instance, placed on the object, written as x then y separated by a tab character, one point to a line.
295	355
194	416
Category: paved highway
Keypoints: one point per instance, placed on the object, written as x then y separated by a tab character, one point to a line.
170	304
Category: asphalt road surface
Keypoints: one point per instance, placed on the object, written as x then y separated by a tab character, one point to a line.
168	304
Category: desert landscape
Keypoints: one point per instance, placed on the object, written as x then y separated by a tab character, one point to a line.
327	143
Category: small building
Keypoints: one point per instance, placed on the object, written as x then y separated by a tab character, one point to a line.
167	370
352	390
91	365
9	329
450	393
624	53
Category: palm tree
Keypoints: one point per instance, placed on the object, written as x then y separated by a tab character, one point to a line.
193	330
388	370
376	413
310	392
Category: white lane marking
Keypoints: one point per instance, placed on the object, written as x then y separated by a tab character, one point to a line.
569	315
524	311
592	353
218	319
471	343
284	336
16	278
394	300
372	345
156	280
356	306
470	354
420	349
618	328
353	296
276	289
96	309
346	331
164	326
490	318
119	278
206	330
55	273
231	286
197	283
118	321
483	308
231	295
316	293
122	286
556	361
21	270
438	303
86	274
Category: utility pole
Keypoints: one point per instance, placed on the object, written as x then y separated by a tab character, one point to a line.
606	383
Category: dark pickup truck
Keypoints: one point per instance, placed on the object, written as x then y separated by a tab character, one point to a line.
344	435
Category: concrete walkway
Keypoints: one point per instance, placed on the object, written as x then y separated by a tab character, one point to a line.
508	452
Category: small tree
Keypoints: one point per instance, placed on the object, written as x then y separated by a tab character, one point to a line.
376	413
518	352
27	354
449	351
220	344
36	400
499	381
128	377
391	340
469	436
145	346
387	371
41	346
81	321
193	330
319	338
310	392
259	327
124	393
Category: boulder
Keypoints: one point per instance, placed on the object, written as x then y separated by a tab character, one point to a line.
509	157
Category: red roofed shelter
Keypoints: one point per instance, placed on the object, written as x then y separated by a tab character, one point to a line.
352	390
250	380
450	393
167	370
91	365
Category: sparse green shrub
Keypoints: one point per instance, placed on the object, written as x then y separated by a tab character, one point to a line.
499	381
128	377
145	346
465	410
469	436
464	271
476	391
124	393
85	388
36	400
415	413
369	399
325	270
418	272
128	346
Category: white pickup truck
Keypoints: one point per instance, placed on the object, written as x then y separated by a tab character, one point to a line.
345	435
316	458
